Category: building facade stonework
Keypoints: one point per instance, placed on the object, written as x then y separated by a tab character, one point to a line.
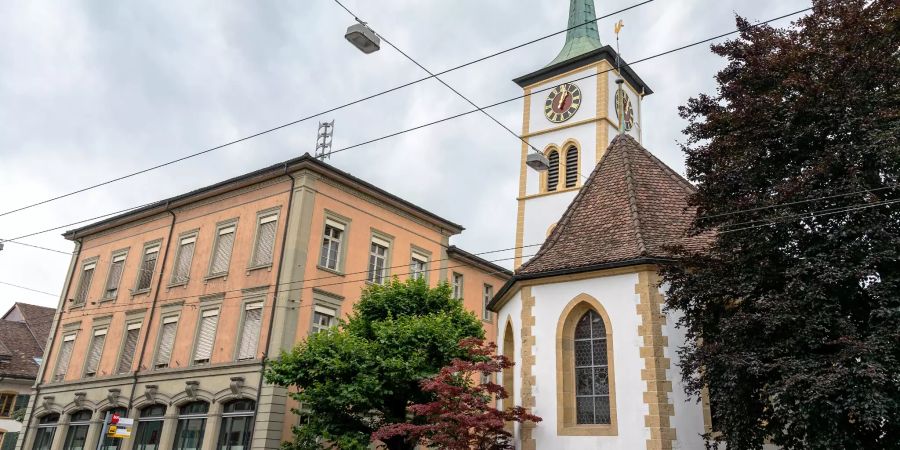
170	311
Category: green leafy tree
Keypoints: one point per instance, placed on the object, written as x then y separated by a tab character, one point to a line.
363	374
793	314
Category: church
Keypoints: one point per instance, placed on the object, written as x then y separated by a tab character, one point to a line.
595	353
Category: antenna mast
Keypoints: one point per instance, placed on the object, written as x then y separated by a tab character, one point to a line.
323	140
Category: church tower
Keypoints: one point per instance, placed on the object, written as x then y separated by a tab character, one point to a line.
570	114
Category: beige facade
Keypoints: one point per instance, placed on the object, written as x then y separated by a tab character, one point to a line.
169	311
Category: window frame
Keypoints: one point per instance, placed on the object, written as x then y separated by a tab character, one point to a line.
72	424
246	303
378	238
143	420
566	424
96	331
130	324
461	285
229	416
192	416
344	224
192	234
214	305
165	319
92	261
145	250
67	336
263	217
568	146
420	255
12	403
545	175
487	293
214	249
121	253
45	427
327	301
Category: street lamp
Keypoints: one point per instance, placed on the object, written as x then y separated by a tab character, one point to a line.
537	161
363	38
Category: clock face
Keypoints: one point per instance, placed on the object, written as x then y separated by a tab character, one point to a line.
624	109
562	102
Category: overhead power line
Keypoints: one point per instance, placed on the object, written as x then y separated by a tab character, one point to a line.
28	288
455	116
314	115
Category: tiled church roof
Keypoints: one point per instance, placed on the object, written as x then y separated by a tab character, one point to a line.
628	210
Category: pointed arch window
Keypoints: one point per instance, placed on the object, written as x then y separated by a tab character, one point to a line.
586	394
572	166
553	171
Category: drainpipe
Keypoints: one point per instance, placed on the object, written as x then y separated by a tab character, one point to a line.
262	370
23	436
162	270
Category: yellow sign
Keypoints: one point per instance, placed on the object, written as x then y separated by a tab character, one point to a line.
121	430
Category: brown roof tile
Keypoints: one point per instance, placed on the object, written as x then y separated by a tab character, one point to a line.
22	349
631	208
39	320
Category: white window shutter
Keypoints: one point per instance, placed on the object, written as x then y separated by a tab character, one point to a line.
85	284
131	339
222	253
265	242
94	353
250	333
207	336
65	354
183	265
166	342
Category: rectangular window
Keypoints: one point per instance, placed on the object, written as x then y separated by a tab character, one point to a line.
488	295
116	267
65	354
264	250
323	318
418	266
166	341
148	265
128	347
7	401
84	285
185	255
222	250
331	245
206	336
95	351
457	285
378	257
250	331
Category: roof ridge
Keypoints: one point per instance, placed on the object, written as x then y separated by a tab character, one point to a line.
632	198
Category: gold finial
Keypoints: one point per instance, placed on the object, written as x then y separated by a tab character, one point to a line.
618	27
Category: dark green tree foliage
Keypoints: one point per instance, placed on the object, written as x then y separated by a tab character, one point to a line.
793	315
363	374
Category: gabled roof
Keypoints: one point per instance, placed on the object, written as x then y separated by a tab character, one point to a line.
631	207
455	252
21	341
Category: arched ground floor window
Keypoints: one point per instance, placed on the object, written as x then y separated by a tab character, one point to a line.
237	424
149	427
585	377
79	424
46	429
110	443
191	426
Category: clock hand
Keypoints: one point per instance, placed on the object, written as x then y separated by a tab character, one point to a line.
562	98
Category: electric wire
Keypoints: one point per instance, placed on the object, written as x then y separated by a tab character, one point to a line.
312	116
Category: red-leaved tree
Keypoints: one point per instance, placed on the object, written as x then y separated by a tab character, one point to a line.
462	416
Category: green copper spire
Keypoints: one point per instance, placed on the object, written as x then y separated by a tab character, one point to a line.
584	38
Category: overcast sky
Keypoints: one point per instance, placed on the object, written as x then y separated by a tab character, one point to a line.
94	89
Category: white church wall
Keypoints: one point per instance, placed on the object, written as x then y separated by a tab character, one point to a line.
540	213
688	420
512	313
587	110
617	295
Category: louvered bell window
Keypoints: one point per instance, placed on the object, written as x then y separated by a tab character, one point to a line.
84	285
116	267
166	342
572	167
131	339
95	352
148	265
182	271
206	337
250	332
222	252
65	355
265	240
553	171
